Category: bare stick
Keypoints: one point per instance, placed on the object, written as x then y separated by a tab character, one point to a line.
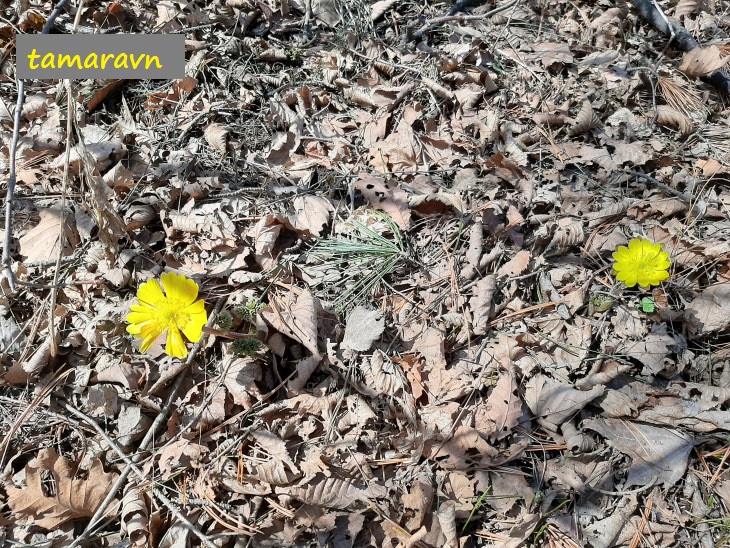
13	148
70	116
11	187
663	24
461	18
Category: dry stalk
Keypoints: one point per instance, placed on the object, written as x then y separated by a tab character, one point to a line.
13	149
461	18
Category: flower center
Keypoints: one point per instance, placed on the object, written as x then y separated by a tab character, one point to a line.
646	265
172	313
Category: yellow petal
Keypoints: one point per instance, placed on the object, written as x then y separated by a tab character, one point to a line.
147	342
623	266
150	293
622	253
636	246
629	279
179	288
654	278
175	344
193	328
140	317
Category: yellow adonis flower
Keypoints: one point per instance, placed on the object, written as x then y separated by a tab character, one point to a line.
174	311
643	262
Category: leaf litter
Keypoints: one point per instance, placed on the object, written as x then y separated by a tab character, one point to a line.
402	223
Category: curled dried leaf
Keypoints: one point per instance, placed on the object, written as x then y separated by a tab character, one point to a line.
177	221
135	517
217	137
515	153
139	215
687	7
379	8
586	120
383	67
438	89
667	116
566	236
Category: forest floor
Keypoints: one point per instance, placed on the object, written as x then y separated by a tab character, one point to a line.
402	222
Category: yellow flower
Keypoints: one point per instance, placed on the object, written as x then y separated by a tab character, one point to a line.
643	262
174	311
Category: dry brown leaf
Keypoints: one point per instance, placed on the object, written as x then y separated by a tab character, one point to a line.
277	467
438	203
687	7
381	376
203	407
265	233
708	312
97	148
438	89
242	375
653	351
667	116
446	515
43	242
418	500
326	11
515	266
555	402
569	233
550	53
73	497
296	317
603	21
430	345
216	136
379	8
703	60
334	492
21	372
180	454
503	408
658	209
172	96
135	517
658	454
306	404
100	201
586	120
464	450
515	152
482	303
388	197
364	326
311	214
689	406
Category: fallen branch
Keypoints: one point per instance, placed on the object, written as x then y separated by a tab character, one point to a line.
7	261
460	18
663	24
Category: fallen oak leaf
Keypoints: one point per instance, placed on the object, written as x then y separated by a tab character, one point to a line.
702	61
387	197
73	497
